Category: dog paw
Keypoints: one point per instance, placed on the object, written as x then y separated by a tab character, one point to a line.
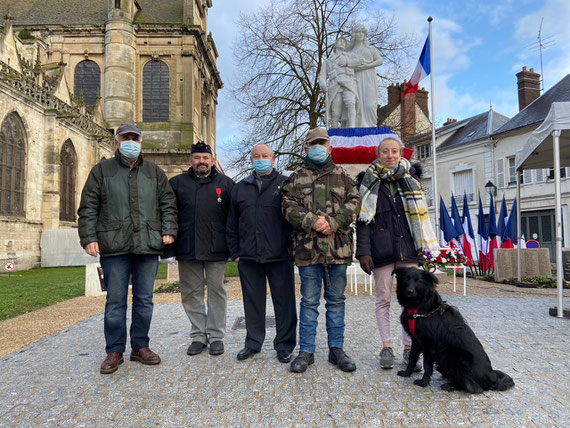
448	387
421	382
403	373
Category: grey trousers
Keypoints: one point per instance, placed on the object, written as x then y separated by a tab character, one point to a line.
211	325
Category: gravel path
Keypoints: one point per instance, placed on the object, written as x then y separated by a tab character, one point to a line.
18	332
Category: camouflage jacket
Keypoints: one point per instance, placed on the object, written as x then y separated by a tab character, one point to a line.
311	192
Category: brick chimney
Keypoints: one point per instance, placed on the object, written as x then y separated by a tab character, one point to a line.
408	113
528	83
449	121
394	95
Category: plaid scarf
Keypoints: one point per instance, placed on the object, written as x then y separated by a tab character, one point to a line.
412	196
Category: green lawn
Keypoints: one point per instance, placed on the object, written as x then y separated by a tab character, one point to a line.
28	290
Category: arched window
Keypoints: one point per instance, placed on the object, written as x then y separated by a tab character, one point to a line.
12	158
156	95
67	174
87	81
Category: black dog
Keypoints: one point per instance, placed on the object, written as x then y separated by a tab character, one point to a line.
439	332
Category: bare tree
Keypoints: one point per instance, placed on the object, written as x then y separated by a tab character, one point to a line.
279	55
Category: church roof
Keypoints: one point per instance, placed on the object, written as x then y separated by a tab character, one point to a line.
85	12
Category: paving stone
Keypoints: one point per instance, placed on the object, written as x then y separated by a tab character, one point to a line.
56	381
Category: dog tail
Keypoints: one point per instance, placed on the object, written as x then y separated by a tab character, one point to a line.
504	381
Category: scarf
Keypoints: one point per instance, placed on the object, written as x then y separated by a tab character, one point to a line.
412	196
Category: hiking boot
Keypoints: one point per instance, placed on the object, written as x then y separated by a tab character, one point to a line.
387	358
406	358
340	359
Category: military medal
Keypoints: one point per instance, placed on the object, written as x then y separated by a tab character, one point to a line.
219	192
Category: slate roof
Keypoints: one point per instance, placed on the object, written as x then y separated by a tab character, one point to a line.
85	12
536	111
472	129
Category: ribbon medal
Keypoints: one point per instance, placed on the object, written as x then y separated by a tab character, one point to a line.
219	192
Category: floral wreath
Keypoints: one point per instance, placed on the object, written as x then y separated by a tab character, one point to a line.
443	258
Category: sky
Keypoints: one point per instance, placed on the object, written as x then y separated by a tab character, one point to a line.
477	46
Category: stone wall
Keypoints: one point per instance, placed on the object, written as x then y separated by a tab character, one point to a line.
534	262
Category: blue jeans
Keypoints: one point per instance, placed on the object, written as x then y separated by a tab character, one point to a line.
312	278
117	271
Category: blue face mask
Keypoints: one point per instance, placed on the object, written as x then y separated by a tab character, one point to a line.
130	149
318	154
262	166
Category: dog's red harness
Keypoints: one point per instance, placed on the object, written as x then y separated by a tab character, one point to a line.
412	321
413	314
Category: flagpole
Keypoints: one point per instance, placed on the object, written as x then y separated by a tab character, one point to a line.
435	192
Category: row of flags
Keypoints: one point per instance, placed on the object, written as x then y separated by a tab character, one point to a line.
457	231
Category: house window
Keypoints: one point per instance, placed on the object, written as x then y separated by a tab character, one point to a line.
526	177
500	173
12	158
87	81
512	171
563	173
424	151
67	174
427	188
541	175
117	4
463	184
156	92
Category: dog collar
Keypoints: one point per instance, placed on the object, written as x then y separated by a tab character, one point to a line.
413	314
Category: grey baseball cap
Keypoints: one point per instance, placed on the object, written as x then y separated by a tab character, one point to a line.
125	128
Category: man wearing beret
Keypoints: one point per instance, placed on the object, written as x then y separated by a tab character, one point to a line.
127	213
203	197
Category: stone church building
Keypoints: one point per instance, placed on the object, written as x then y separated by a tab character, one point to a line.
71	71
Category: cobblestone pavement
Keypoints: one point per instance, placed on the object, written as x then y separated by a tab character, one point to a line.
56	381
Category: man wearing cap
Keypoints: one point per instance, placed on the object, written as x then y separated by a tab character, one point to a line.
126	215
203	196
320	201
259	239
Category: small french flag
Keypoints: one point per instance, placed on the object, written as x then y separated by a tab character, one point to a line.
422	70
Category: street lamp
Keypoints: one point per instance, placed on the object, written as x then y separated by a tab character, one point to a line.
491	188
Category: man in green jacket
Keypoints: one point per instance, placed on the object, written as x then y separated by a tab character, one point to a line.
127	213
321	201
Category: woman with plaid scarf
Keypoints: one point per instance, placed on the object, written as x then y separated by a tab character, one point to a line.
393	229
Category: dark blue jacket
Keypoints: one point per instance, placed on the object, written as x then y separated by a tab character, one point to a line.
257	231
203	207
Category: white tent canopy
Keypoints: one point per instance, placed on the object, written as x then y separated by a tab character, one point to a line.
543	152
538	153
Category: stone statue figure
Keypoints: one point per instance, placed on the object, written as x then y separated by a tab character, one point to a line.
350	81
365	59
338	80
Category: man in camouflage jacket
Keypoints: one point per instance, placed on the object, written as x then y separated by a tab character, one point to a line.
321	201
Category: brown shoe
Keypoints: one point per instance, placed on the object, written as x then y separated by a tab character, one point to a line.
111	363
145	356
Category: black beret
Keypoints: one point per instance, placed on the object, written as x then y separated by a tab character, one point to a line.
201	147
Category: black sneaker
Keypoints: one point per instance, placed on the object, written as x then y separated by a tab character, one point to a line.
217	347
195	348
303	360
340	359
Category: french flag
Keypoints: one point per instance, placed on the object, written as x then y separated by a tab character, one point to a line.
448	230
468	236
509	236
483	238
502	219
359	145
493	240
457	223
422	70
